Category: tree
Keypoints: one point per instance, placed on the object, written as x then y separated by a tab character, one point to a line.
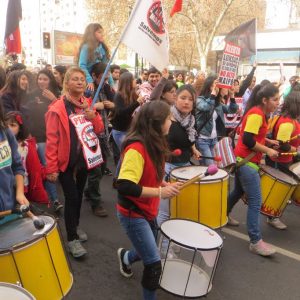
207	18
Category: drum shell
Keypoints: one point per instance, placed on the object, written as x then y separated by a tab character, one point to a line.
276	192
204	202
295	168
40	265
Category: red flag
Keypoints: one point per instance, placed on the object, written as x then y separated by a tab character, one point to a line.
176	8
12	31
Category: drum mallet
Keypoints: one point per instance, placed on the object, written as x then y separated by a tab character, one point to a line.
17	210
215	158
289	153
211	170
37	222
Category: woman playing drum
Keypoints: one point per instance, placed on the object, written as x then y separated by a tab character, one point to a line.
285	130
263	101
140	187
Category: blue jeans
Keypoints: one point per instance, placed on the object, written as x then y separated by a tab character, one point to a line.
49	186
118	137
206	146
247	180
143	239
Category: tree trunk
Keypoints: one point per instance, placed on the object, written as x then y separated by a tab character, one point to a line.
203	61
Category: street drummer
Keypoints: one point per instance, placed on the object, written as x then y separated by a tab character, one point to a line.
285	130
263	101
140	187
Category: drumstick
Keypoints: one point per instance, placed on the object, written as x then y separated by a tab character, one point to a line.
288	153
37	222
215	158
211	170
17	210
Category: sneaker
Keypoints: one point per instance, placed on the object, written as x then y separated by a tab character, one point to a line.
57	205
125	270
232	222
262	248
82	235
100	212
107	172
276	223
76	249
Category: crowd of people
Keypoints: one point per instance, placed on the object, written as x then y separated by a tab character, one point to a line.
51	131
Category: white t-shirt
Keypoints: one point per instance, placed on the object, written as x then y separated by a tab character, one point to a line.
214	130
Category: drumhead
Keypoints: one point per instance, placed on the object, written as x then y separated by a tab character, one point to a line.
22	231
295	168
278	175
14	292
191	234
188	172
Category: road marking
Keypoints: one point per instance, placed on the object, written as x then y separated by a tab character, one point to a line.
244	237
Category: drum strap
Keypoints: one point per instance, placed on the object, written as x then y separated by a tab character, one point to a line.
245	161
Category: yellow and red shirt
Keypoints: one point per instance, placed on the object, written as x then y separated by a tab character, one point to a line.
284	130
138	167
253	122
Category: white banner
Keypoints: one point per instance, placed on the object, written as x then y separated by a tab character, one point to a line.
88	139
146	33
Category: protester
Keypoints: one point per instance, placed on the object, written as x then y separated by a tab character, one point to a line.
165	90
263	101
140	187
14	92
59	72
27	148
146	88
179	79
286	126
92	50
210	121
39	100
11	170
182	136
72	148
143	77
115	74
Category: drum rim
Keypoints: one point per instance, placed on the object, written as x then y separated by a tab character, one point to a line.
297	175
202	181
262	169
17	287
191	247
25	244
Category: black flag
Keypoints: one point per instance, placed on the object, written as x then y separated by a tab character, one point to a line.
245	37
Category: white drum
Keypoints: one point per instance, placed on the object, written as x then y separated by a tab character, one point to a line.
189	264
10	291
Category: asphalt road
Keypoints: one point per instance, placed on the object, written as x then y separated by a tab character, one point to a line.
239	275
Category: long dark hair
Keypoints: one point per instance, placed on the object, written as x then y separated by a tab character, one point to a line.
206	89
126	89
91	41
291	105
2	122
12	86
53	86
146	128
259	92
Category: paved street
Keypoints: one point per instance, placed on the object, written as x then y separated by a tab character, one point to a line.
239	275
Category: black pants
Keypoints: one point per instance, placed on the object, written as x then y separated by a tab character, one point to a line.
73	185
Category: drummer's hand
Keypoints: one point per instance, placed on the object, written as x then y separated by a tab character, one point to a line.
272	153
52	177
21	199
165	183
170	190
274	143
196	154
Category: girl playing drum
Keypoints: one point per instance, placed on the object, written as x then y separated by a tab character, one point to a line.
140	188
263	101
285	128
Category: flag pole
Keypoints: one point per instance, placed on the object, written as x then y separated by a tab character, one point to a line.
114	53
